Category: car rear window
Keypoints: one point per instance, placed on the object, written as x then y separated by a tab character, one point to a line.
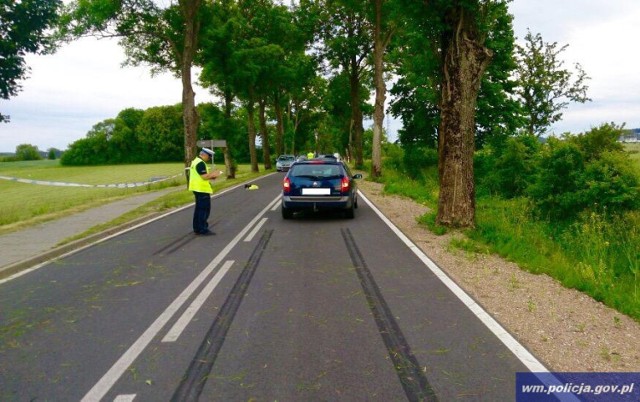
316	170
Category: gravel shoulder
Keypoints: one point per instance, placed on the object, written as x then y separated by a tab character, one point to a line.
564	328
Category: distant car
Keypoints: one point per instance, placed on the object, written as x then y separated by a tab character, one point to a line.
319	184
283	163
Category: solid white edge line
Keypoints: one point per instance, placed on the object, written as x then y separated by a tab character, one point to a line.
107	381
255	230
77	250
507	339
175	331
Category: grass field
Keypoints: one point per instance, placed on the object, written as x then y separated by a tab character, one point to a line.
634	150
25	204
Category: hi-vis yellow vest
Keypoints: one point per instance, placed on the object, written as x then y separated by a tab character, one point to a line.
197	183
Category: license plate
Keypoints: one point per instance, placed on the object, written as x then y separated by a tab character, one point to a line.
316	191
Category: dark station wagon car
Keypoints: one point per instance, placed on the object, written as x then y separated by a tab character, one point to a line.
319	184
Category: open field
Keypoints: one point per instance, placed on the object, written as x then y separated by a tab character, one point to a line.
25	204
634	149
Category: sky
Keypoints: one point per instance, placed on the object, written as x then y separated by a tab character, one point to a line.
83	83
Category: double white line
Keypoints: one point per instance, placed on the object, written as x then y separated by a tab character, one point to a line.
115	372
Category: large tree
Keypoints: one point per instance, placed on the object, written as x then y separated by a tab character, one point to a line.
464	60
166	38
25	27
383	29
442	60
417	62
545	87
345	37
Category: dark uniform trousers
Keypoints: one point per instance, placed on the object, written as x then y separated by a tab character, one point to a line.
201	214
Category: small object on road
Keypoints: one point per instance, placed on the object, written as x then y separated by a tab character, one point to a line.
251	186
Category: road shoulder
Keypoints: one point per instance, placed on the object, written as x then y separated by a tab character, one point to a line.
566	329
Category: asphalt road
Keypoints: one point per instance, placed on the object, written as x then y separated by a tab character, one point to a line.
314	308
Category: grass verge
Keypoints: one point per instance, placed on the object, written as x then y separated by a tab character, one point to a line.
24	205
596	254
167	202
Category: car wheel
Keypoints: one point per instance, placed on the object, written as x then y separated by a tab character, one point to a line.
286	213
350	213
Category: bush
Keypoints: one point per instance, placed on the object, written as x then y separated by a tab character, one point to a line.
599	140
577	173
507	168
393	156
611	181
417	159
27	152
558	180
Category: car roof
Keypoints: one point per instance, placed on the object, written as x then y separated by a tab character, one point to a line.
319	161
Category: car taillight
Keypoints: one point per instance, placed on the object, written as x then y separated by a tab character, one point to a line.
344	187
286	185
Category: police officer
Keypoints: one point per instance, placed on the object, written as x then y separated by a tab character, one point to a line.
199	176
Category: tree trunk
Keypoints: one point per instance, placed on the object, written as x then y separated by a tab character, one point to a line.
252	135
356	113
189	116
378	114
266	153
189	9
279	126
464	61
228	159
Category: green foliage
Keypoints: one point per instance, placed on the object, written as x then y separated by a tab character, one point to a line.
563	177
214	125
607	246
393	154
25	27
423	189
417	159
580	172
600	140
417	58
508	166
596	251
429	220
134	136
545	87
160	134
27	152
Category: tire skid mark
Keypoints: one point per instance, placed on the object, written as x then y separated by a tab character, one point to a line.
198	372
413	380
178	243
175	244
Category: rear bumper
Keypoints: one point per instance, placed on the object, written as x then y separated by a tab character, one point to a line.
316	202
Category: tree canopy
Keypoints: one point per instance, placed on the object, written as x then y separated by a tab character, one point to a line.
303	76
544	86
25	27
